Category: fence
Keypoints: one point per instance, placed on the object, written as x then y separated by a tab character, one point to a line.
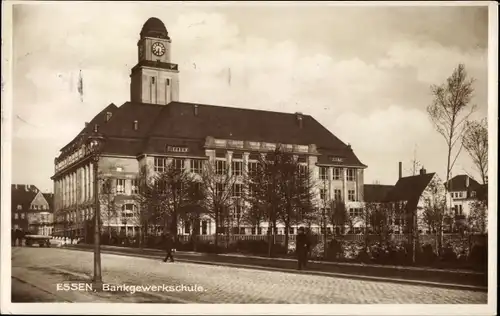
280	239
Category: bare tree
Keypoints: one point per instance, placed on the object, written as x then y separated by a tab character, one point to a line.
475	142
434	214
379	221
295	188
449	112
108	199
339	216
216	185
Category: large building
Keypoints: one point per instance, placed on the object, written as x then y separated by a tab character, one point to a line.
155	129
32	210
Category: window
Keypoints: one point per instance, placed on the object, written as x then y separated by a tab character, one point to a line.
19	207
168	81
128	210
237	190
337	173
204	227
219	189
473	194
237	167
323	173
178	164
196	166
120	186
302	170
16	216
23	215
322	194
153	80
337	194
252	169
350	195
220	167
160	164
135	187
187	227
355	212
351	174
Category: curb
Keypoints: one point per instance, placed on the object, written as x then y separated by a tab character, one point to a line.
317	273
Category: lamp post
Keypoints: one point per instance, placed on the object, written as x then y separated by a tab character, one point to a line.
94	144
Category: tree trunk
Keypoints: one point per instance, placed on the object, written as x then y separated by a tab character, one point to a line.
216	238
287	230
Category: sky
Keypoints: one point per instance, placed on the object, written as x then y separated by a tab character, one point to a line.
362	72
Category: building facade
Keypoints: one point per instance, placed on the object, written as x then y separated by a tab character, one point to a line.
32	210
155	129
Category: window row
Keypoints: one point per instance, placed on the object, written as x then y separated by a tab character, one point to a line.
337	195
337	174
121	186
33	207
16	215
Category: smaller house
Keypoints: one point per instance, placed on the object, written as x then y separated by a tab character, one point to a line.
414	192
32	210
463	191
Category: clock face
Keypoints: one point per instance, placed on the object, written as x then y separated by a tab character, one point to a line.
158	49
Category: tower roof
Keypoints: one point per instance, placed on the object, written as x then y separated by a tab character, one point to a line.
154	27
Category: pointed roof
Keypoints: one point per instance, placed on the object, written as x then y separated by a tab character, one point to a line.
459	183
410	189
177	123
23	194
376	192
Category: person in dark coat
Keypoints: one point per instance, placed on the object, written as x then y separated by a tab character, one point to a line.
169	245
302	248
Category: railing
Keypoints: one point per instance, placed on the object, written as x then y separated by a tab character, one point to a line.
291	238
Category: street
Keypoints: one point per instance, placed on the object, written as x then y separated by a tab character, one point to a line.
45	267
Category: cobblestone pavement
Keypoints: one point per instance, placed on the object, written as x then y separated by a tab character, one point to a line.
236	285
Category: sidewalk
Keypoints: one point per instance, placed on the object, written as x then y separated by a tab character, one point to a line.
425	276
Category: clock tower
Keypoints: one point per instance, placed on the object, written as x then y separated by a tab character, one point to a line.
154	79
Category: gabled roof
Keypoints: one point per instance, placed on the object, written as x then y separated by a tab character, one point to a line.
376	192
49	197
23	194
410	189
158	124
459	183
99	119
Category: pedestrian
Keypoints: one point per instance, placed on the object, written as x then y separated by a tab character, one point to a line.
302	248
169	245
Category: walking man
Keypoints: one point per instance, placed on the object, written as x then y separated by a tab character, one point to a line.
302	248
169	245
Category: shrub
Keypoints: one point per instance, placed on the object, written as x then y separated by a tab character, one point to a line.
427	256
379	252
448	254
478	256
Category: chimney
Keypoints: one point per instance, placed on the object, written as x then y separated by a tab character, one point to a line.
299	119
136	125
422	171
108	116
466	181
196	110
400	170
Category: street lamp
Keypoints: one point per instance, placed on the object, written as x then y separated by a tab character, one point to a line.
94	145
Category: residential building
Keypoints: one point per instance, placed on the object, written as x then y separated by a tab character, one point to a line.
414	194
463	191
32	210
155	129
